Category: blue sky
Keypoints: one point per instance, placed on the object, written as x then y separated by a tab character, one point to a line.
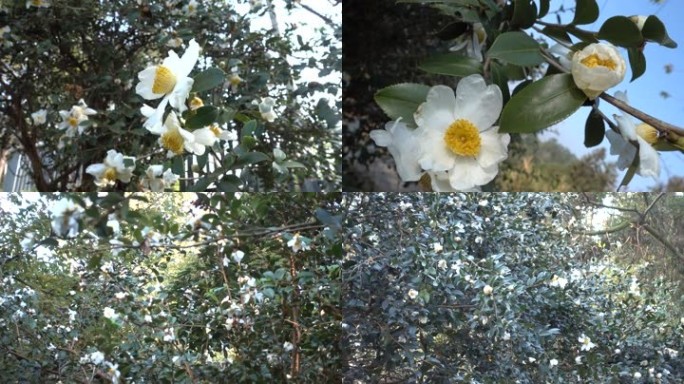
643	93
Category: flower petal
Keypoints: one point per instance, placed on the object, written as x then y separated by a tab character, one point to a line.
649	162
467	174
494	148
437	112
478	103
403	145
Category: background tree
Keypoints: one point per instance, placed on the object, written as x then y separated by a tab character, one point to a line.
54	56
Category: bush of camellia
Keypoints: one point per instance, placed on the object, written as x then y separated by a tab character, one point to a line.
493	288
161	288
156	95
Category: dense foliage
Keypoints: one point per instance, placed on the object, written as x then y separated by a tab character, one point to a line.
503	288
170	288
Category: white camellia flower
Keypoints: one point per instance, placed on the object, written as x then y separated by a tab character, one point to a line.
156	181
297	244
622	144
558	282
442	264
176	139
6	30
113	371
72	119
190	8
412	293
169	81
402	143
596	68
234	79
457	135
266	109
637	375
109	313
237	256
120	295
437	247
287	346
169	335
586	343
473	42
111	169
37	3
65	215
39	117
553	363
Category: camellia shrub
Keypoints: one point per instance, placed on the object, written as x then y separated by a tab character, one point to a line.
161	288
456	139
491	288
156	95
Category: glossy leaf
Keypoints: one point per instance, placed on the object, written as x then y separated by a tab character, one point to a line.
594	129
499	78
654	30
516	48
543	8
637	61
542	104
208	79
452	64
586	12
453	30
402	100
621	31
524	13
201	117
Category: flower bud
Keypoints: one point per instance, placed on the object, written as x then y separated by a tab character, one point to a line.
488	290
596	68
639	21
647	133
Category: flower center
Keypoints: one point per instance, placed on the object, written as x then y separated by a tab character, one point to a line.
647	133
164	80
594	60
235	80
37	2
215	130
73	121
463	138
173	141
195	103
110	174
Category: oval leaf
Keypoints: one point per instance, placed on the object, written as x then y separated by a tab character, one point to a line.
516	48
208	79
586	12
543	8
637	61
201	117
524	14
542	104
451	64
402	100
594	130
622	31
654	30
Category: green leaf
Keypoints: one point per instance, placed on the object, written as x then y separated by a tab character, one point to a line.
201	117
516	48
499	78
201	184
542	104
588	37
586	12
229	183
520	86
251	158
621	31
293	164
208	79
631	171
654	30
637	61
402	100
543	8
248	128
524	13
594	129
49	242
451	64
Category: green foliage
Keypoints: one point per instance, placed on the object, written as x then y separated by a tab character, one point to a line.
451	64
402	100
594	129
516	48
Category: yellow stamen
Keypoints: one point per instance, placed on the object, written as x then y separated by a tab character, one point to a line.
594	60
647	133
215	130
173	141
164	80
110	174
195	103
73	121
235	80
463	138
